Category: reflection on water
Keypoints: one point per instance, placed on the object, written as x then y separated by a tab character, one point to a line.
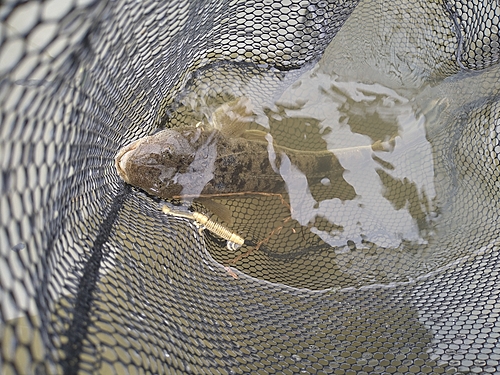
381	144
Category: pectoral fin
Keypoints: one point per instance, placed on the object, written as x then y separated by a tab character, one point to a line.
255	135
232	118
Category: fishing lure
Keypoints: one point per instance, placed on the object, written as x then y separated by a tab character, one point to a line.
234	241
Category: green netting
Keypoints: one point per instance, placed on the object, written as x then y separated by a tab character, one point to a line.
390	268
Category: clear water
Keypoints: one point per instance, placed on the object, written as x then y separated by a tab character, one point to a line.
402	136
394	186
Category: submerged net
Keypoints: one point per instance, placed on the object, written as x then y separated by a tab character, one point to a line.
94	278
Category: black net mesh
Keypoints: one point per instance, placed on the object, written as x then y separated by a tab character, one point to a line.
94	278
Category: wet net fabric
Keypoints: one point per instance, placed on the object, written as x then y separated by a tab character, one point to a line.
94	278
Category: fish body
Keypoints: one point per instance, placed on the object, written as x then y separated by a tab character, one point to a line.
193	162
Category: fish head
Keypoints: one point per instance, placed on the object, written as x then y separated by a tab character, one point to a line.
153	162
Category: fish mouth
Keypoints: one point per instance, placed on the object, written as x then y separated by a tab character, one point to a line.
122	157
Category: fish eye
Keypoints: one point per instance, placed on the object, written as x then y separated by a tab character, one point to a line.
167	152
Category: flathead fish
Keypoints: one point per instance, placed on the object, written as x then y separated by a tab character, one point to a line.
194	162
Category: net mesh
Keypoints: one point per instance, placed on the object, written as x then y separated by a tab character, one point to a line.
94	278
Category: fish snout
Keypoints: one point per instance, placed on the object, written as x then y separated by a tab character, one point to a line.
122	158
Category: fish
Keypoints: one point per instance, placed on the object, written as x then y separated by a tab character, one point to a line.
222	159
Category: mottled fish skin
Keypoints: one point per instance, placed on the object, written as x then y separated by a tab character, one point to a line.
192	162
